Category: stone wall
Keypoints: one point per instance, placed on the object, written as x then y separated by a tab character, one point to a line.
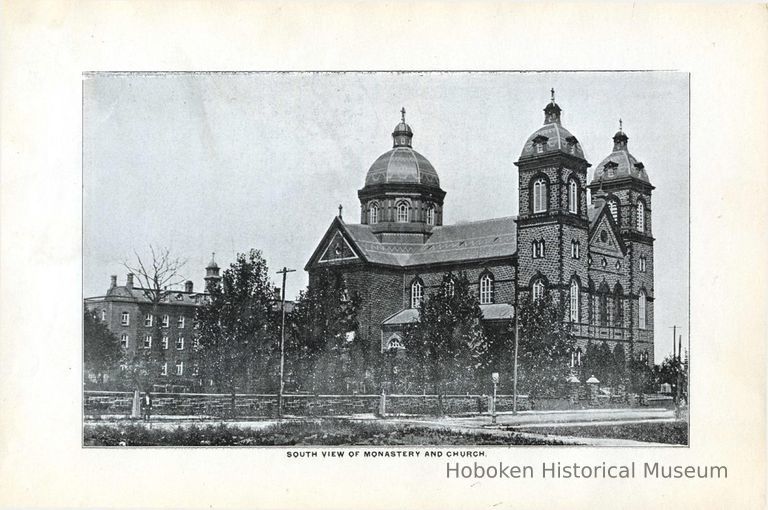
265	405
106	403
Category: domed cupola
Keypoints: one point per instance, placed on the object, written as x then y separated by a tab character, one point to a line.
402	190
619	164
403	134
552	138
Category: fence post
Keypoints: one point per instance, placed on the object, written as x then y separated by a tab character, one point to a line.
382	404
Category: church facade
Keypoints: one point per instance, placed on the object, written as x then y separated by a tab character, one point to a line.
588	244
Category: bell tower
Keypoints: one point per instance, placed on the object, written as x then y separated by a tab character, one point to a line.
552	224
622	182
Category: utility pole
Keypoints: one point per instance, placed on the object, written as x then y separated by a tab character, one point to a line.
676	363
514	367
674	335
679	369
284	272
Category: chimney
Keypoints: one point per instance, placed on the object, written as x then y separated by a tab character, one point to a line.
188	285
129	281
113	281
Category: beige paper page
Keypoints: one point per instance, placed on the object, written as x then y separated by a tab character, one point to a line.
46	46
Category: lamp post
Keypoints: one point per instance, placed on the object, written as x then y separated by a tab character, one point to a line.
495	379
284	272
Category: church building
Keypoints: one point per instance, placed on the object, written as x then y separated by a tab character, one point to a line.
588	244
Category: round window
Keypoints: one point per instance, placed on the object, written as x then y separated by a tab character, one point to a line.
604	236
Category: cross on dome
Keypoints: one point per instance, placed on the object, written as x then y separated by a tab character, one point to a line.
552	110
403	133
620	138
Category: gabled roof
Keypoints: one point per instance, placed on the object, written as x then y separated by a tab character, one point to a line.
593	212
476	240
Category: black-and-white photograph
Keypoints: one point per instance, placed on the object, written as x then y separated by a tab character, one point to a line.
386	259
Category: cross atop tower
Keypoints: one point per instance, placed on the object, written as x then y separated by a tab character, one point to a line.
552	90
621	126
402	112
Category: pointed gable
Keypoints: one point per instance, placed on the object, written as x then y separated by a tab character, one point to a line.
603	234
337	249
336	246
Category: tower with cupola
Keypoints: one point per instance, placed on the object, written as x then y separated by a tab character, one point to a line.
552	224
401	200
621	186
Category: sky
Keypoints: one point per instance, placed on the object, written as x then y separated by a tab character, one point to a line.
225	162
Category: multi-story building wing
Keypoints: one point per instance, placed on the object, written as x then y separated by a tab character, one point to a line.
127	312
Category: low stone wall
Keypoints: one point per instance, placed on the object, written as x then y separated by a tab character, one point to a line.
246	405
98	403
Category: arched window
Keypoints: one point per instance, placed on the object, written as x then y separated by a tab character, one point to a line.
486	289
573	196
540	196
430	215
450	287
395	343
576	357
613	206
574	301
402	212
373	214
575	249
642	309
618	306
602	312
641	217
537	249
417	292
538	290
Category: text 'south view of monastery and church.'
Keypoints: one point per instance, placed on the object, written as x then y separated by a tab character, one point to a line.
588	243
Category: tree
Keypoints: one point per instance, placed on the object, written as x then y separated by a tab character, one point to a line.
545	347
640	377
101	348
155	275
667	372
238	327
619	365
324	342
448	339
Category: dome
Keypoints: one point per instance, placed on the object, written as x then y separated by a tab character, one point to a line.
620	164
552	136
402	164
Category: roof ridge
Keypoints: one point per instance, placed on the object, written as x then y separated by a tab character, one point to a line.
559	143
511	216
418	167
389	162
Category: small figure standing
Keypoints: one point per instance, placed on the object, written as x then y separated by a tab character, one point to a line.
146	406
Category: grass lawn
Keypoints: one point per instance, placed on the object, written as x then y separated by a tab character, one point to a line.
661	432
297	433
